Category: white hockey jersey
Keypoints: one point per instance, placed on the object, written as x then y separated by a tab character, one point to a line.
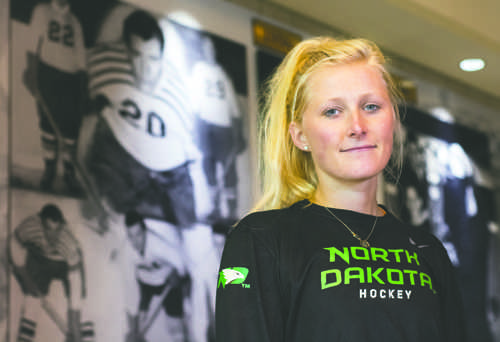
155	128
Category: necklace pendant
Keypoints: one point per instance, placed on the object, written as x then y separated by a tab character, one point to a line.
364	242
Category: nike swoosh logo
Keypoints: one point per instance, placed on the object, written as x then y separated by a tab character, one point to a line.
415	244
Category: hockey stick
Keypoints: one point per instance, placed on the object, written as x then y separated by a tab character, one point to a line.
156	310
87	185
86	182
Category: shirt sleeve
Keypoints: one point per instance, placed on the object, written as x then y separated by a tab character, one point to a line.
452	303
447	286
69	248
29	231
248	302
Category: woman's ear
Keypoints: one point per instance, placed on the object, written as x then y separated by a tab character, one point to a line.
298	137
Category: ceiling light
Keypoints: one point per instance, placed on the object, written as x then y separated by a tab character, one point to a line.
472	64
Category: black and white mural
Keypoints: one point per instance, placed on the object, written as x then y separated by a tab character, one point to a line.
444	189
125	158
128	162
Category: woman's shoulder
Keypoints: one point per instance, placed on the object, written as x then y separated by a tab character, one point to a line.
419	237
273	220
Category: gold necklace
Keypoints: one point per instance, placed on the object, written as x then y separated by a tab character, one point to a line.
363	242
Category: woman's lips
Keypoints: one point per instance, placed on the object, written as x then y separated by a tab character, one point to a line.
359	148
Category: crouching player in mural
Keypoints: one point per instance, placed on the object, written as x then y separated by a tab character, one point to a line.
141	155
160	275
55	77
43	250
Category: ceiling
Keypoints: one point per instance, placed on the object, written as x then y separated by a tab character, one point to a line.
433	34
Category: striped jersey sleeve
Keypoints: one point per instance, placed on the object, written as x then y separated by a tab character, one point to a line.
109	64
30	231
68	247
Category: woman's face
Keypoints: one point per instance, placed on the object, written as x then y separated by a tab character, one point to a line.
348	123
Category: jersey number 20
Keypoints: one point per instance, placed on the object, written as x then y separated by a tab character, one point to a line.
155	126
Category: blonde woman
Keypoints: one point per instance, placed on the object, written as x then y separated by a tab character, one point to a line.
320	259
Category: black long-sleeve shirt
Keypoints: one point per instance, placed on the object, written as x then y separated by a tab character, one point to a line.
297	274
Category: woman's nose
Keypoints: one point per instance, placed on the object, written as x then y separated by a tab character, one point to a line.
357	125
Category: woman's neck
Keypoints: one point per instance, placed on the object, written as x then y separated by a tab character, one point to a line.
361	198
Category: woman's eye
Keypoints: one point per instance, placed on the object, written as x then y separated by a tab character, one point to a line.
371	107
331	112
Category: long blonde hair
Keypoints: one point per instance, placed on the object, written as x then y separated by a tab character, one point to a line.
288	173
